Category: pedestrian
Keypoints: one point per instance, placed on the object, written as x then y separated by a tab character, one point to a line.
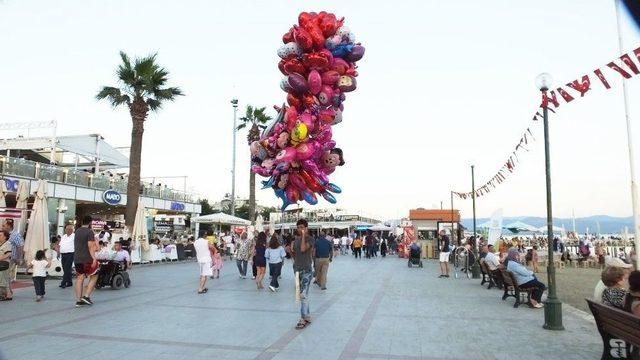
5	275
275	255
444	254
84	257
66	256
323	256
302	254
383	248
259	260
344	243
243	254
216	263
203	256
254	268
17	244
39	273
357	247
368	244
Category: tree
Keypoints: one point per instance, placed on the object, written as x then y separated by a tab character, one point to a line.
141	89
255	119
267	211
206	207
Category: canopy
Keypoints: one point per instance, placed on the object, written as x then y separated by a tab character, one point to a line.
38	234
380	227
556	229
518	226
221	219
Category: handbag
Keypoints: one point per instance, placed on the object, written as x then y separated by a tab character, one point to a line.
4	265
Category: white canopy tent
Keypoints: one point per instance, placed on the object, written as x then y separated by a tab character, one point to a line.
520	226
38	233
380	227
556	229
221	219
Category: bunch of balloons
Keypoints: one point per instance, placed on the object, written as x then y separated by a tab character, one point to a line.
296	151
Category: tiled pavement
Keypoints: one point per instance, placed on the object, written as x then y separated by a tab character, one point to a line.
373	309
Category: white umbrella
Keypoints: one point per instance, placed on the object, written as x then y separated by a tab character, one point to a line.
22	196
221	219
139	232
272	224
38	234
259	224
3	193
380	227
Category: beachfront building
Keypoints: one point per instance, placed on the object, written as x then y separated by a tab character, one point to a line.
85	176
334	221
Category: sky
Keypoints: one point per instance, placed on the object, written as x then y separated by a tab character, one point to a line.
442	85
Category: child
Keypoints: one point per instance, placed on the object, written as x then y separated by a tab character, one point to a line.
216	263
39	266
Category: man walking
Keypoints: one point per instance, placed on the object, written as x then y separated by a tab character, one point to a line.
368	244
17	244
66	255
203	256
323	256
302	253
444	254
84	256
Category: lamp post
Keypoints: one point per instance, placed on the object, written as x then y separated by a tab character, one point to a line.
234	103
553	306
475	268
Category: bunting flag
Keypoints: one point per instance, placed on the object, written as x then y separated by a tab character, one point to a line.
625	66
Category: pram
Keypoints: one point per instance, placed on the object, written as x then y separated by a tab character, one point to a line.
113	273
414	257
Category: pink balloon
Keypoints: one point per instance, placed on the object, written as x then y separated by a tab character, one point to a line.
314	81
295	180
307	119
257	169
325	97
286	155
298	83
324	135
312	168
306	150
330	77
327	116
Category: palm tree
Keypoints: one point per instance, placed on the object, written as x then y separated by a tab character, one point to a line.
256	118
141	89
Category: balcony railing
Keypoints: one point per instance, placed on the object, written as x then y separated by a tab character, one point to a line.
31	169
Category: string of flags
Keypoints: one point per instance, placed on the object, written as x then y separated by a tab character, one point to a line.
624	66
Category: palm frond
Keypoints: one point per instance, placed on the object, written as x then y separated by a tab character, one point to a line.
114	95
167	94
145	66
154	104
241	126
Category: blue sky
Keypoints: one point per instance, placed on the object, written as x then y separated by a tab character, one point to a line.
442	85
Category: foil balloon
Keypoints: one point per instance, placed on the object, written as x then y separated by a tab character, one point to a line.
296	153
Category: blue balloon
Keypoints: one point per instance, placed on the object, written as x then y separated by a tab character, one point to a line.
342	50
330	198
309	198
268	183
334	188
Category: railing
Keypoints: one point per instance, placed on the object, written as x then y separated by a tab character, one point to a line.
31	169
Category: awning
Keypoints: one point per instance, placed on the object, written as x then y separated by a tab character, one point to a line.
221	219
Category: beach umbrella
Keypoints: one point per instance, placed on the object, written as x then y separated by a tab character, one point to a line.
38	235
259	224
22	196
272	224
3	193
518	226
139	232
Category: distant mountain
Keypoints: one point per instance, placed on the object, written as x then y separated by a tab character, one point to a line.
607	224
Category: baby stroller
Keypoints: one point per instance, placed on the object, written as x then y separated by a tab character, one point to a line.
414	257
113	273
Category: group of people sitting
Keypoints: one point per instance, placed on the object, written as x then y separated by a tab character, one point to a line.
524	277
619	286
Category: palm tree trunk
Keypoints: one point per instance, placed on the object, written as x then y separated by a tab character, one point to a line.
252	196
138	113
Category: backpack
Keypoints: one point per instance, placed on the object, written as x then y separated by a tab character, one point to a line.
529	255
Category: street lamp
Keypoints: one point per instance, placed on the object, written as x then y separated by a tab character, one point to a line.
553	306
475	268
234	103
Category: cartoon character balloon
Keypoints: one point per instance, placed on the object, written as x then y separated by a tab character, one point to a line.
296	151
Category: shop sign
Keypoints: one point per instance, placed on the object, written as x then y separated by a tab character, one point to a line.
11	184
177	206
98	224
111	197
163	226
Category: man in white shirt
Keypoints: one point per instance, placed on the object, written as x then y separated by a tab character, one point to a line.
204	260
121	254
345	243
492	261
66	255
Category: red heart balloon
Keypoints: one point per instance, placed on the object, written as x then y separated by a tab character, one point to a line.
288	37
304	18
294	101
316	34
303	38
294	66
281	67
315	61
309	100
329	25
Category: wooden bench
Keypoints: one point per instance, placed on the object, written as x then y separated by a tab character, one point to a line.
493	282
511	289
619	329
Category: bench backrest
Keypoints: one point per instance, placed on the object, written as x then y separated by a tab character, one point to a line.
507	277
614	324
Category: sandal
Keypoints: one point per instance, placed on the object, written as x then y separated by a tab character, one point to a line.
301	324
203	291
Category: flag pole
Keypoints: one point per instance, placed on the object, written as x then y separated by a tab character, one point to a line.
634	187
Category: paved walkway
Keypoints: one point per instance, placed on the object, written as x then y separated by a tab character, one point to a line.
373	309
